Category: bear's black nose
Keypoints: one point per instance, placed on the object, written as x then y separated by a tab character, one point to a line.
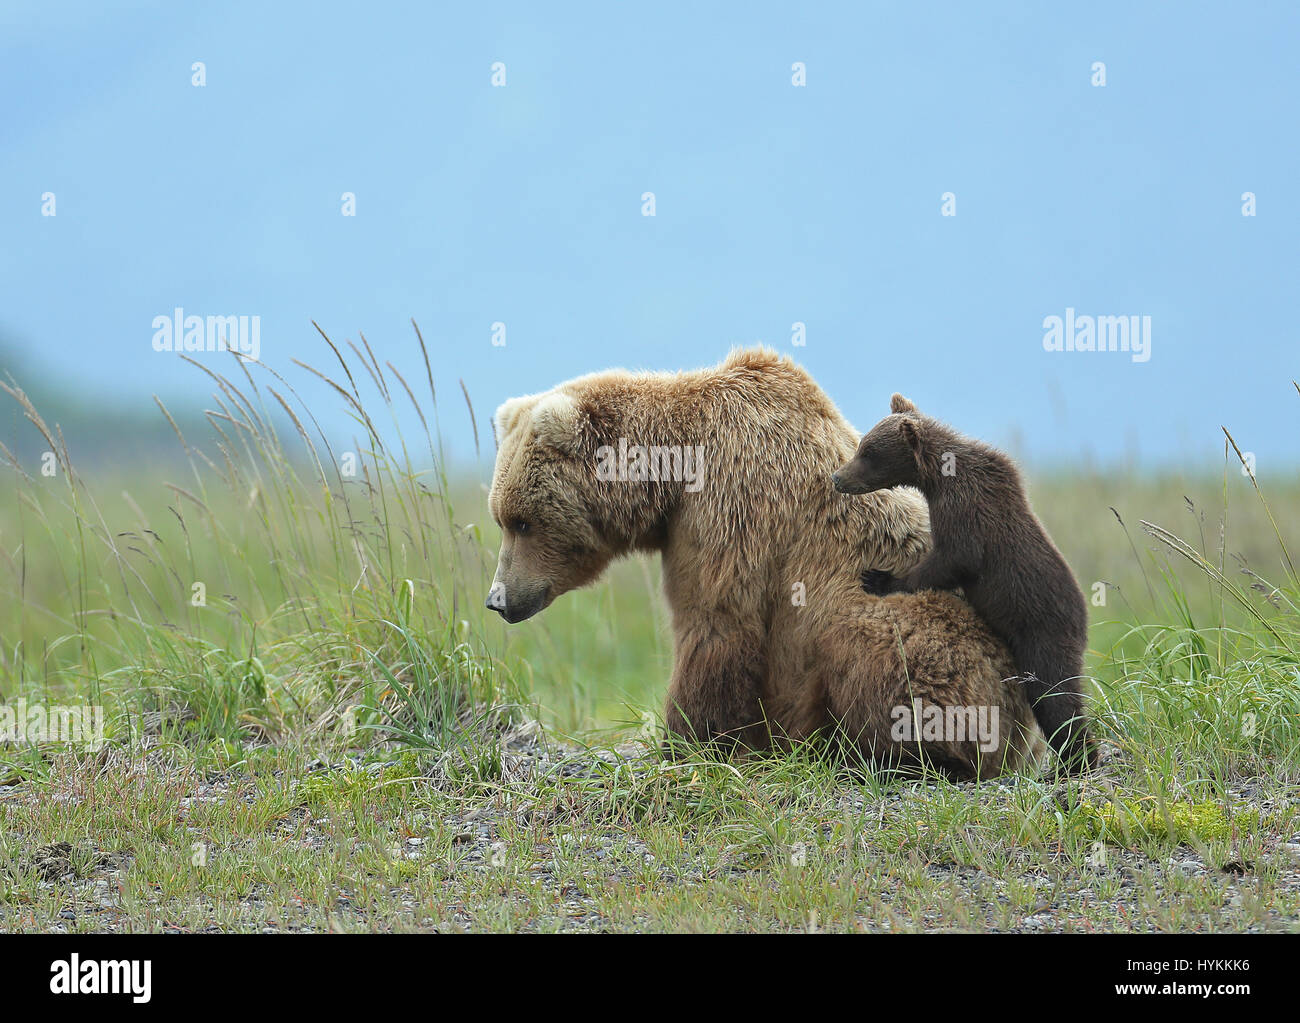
496	599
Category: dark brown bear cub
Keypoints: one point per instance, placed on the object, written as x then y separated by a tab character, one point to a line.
988	542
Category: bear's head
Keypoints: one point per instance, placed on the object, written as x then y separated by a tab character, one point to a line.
554	535
890	455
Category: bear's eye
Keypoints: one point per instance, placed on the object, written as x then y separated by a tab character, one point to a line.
520	526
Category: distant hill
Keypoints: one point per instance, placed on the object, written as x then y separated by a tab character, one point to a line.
100	433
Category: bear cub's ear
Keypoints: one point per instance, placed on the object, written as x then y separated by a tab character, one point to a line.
913	436
900	404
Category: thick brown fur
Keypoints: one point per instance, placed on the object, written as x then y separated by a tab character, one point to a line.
988	542
775	638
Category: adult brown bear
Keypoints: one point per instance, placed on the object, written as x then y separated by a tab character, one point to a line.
726	472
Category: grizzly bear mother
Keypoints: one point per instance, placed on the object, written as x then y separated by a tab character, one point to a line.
774	636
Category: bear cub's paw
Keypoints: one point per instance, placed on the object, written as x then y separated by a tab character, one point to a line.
876	582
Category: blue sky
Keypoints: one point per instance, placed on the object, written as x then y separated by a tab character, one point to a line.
774	203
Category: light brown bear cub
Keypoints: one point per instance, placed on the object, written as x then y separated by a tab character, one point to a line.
989	543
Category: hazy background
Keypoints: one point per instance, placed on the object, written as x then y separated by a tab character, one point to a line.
775	204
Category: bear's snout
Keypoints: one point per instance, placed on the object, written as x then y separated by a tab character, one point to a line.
520	606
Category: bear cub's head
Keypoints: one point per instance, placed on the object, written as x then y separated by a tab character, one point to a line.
889	455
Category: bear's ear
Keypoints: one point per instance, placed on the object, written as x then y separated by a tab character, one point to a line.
900	404
911	430
508	415
555	422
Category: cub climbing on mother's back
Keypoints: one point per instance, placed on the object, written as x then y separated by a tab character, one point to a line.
987	541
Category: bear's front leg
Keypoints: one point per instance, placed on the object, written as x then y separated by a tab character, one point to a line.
714	694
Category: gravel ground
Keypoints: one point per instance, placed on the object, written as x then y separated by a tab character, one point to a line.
542	838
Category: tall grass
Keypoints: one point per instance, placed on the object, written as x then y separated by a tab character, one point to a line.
281	588
1203	686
